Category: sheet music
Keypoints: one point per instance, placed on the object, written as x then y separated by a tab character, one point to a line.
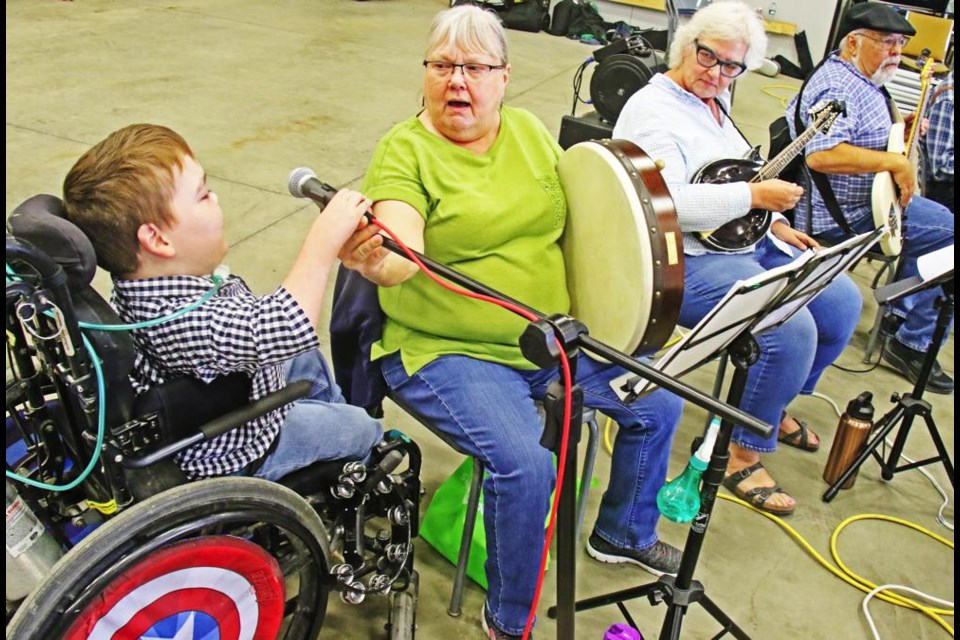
830	262
786	288
936	263
716	330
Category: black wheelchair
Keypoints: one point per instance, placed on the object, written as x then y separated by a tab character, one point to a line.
106	538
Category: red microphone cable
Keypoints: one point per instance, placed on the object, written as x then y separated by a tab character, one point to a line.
564	440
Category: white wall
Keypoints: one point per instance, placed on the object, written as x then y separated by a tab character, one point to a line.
812	16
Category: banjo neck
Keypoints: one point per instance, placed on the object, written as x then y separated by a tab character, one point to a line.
913	138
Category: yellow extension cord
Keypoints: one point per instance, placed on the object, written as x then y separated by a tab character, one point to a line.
843	572
784	100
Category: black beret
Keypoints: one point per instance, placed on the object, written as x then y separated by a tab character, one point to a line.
877	17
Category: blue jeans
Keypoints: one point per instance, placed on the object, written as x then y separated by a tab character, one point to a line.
489	411
928	226
793	355
320	426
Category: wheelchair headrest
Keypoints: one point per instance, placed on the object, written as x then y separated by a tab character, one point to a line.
40	221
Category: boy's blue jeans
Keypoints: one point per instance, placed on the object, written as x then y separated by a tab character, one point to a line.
488	409
320	426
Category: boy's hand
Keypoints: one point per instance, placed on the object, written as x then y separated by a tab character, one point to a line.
341	218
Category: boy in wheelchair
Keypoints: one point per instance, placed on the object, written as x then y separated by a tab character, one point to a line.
215	378
142	199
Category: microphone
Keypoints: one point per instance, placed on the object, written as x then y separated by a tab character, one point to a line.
303	183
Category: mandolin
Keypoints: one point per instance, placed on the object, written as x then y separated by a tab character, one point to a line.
746	231
885	195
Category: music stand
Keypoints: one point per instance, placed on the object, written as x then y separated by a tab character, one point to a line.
911	405
749	307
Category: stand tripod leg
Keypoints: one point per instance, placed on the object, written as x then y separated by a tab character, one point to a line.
891	466
679	592
888	468
729	626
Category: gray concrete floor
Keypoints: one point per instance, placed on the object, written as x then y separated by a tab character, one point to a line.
260	88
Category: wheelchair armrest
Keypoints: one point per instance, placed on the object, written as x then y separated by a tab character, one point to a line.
184	404
220	425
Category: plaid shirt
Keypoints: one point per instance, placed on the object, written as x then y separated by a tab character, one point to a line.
940	134
867	125
233	331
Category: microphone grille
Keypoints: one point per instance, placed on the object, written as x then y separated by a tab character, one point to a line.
296	180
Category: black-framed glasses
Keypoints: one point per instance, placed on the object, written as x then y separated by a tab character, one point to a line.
472	70
708	58
887	42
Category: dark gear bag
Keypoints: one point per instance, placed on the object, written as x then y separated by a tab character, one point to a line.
585	20
562	12
779	140
529	15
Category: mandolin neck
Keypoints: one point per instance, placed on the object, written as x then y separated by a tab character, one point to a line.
773	168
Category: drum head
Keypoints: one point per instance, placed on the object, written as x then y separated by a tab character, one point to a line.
622	245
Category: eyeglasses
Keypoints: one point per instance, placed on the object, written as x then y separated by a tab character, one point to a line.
708	59
472	70
888	42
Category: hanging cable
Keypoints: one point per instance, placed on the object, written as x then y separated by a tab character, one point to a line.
567	383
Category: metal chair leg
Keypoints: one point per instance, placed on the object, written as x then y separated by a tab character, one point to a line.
874	336
470	521
892	269
593	443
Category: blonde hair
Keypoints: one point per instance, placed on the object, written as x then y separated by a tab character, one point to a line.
469	28
733	21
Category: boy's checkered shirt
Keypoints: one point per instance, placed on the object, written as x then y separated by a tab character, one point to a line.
233	331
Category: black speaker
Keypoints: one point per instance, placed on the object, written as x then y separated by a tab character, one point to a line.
617	78
587	127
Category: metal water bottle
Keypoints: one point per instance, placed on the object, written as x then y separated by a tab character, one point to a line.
31	551
848	443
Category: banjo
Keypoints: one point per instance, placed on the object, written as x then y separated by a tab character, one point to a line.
884	195
747	230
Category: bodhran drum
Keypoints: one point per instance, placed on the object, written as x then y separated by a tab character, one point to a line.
622	245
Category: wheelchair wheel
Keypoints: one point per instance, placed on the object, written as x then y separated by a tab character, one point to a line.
402	624
214	558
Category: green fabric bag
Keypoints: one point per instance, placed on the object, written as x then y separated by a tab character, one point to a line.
442	524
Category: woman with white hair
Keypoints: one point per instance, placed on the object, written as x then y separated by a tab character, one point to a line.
681	117
473	183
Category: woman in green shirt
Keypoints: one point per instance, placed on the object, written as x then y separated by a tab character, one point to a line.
473	184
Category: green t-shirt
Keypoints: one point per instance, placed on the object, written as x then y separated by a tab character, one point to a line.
495	217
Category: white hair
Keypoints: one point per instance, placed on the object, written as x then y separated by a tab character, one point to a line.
730	21
468	28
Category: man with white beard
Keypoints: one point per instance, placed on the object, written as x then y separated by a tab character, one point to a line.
853	151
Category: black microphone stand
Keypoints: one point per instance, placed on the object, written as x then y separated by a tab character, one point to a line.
539	344
909	406
682	591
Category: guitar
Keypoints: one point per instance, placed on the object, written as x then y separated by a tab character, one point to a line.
885	195
747	230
